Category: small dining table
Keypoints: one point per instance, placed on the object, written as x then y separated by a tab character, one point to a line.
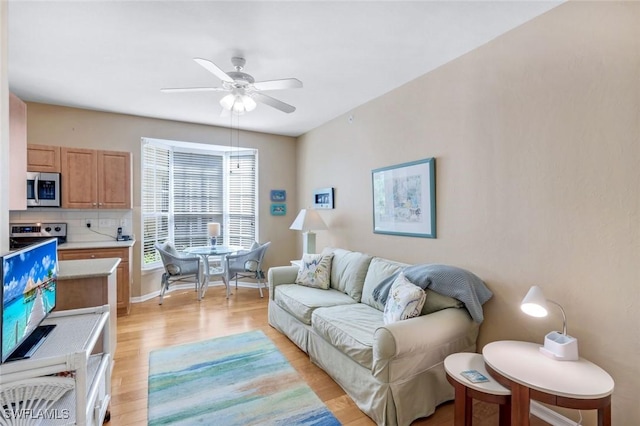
205	252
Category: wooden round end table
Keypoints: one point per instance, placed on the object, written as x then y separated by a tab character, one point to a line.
466	391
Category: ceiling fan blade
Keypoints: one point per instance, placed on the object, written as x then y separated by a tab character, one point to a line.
214	69
285	83
272	102
193	89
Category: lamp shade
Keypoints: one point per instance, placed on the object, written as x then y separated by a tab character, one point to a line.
534	303
213	229
308	220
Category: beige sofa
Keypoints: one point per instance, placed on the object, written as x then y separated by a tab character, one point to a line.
393	372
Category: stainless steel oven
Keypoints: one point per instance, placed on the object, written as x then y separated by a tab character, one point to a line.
43	189
24	234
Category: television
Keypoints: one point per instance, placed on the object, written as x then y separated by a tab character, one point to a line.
29	277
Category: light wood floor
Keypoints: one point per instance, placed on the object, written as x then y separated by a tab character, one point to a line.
182	319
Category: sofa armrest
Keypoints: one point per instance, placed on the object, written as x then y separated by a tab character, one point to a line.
281	275
423	341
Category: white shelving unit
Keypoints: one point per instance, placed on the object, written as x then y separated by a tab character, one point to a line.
69	348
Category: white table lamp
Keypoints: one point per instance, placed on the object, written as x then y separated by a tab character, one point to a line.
213	232
308	220
556	345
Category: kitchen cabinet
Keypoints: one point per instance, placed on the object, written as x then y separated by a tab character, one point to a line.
17	153
43	158
123	271
95	179
65	359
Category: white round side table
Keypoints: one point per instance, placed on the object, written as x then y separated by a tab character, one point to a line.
466	391
529	374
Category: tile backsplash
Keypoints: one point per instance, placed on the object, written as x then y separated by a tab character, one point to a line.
104	223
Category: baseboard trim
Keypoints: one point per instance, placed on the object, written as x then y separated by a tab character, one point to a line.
548	415
187	286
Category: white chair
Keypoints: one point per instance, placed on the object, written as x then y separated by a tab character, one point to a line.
246	264
178	267
23	400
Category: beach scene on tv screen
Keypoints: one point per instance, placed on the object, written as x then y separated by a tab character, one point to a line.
29	283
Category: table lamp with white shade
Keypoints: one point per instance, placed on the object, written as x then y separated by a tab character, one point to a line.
308	220
213	232
556	345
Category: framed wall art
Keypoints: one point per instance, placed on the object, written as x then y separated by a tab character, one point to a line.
278	195
404	199
278	209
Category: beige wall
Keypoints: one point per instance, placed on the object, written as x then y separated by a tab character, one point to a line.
54	125
536	137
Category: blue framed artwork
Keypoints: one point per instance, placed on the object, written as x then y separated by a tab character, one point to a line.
404	199
278	209
278	195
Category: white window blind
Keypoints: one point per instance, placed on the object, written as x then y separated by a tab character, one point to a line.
183	190
242	200
155	200
198	196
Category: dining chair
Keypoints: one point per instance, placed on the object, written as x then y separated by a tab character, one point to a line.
177	267
247	264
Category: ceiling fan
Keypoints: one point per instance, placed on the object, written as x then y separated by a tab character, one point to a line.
243	90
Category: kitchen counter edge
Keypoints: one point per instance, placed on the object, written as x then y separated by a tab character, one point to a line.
87	268
96	244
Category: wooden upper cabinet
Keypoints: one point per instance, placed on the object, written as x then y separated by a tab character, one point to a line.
114	180
79	182
17	186
43	158
95	179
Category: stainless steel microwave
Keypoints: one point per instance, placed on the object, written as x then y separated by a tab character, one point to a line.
43	189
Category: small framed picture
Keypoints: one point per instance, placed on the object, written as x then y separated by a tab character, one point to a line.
278	195
278	209
323	198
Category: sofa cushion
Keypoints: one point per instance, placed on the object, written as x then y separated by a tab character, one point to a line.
349	328
380	269
405	300
315	270
436	302
348	271
301	301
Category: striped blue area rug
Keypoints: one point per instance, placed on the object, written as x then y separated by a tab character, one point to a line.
235	380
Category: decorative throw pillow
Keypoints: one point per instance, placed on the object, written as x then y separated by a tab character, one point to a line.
315	271
405	300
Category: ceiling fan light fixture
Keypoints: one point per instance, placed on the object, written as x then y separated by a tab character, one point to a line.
249	103
243	90
238	103
228	101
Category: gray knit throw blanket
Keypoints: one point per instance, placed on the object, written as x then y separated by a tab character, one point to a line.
447	280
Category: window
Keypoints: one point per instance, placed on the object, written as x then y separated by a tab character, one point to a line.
184	188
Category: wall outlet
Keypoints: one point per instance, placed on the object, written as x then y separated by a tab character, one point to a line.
124	223
103	223
88	222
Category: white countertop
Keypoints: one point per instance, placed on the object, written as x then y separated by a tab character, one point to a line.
87	268
96	244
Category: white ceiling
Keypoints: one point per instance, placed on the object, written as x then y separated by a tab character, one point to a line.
115	55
